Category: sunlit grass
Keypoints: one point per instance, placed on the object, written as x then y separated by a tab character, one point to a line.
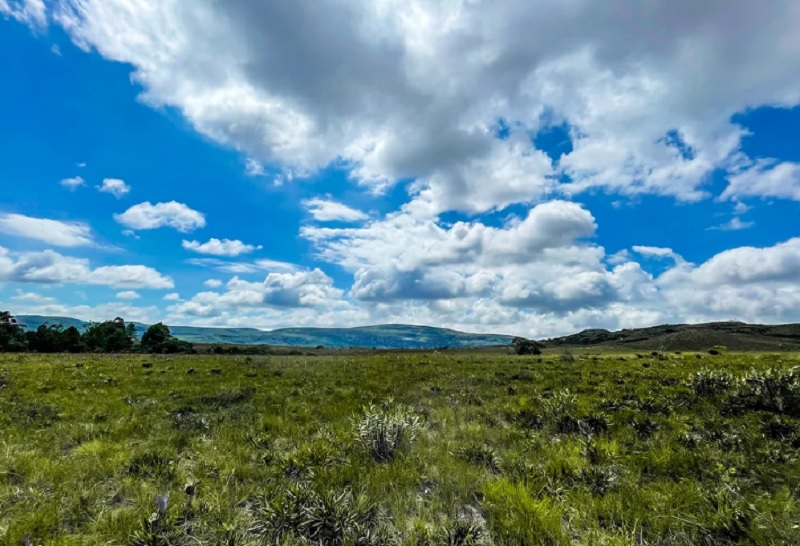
400	448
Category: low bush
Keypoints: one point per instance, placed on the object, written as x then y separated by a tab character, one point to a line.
386	432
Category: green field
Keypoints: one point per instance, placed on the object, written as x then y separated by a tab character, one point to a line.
400	448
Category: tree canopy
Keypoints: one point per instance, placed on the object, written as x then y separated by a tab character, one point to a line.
524	346
113	336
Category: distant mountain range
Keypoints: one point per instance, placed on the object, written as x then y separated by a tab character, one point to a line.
387	336
737	336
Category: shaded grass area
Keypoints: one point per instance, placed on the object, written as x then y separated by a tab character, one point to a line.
407	448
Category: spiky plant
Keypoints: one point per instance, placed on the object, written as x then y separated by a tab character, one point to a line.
480	455
386	432
711	382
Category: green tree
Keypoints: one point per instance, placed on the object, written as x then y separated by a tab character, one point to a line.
155	337
524	346
71	340
47	338
110	337
12	336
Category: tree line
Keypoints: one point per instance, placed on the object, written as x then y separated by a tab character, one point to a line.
113	336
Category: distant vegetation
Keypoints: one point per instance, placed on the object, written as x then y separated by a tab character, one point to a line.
734	336
524	346
400	449
386	336
113	336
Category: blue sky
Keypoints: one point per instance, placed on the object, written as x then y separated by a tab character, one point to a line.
251	164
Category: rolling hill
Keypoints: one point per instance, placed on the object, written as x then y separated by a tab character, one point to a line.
388	336
737	336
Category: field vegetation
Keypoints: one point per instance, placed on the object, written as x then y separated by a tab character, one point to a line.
450	448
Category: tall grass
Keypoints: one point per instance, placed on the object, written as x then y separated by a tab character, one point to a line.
400	448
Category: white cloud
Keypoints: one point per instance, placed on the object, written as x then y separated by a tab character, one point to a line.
130	276
408	241
91	313
734	224
173	214
551	295
657	252
254	168
49	267
303	289
217	247
213	283
746	265
644	109
73	183
116	187
174	296
239	268
128	295
326	210
31	12
521	264
54	232
765	178
32	297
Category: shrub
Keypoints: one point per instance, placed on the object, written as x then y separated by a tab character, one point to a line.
559	411
328	519
556	412
524	346
599	479
710	382
152	465
774	389
385	432
462	533
480	455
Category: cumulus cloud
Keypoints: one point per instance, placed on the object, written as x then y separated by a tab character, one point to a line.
765	178
223	247
173	214
302	289
31	12
752	265
49	267
734	224
634	87
73	183
560	293
326	210
239	268
91	313
116	187
657	252
174	296
32	297
53	232
128	295
644	109
408	241
213	283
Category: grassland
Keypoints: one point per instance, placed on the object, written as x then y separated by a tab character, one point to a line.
400	448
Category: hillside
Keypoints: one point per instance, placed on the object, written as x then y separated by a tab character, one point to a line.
737	336
388	336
